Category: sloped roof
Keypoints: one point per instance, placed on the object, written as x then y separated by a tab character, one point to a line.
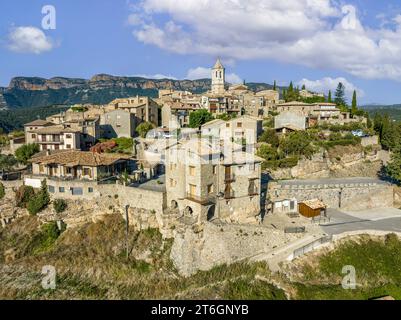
315	204
218	65
294	103
55	130
76	158
39	122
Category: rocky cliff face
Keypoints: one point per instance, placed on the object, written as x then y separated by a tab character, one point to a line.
100	89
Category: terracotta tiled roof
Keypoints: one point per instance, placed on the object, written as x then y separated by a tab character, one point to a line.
294	103
55	130
76	158
39	122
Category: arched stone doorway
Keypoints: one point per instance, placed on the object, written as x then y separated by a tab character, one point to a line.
174	204
211	213
188	212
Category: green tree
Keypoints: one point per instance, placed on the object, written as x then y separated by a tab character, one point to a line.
59	205
144	128
303	87
354	108
269	136
291	93
275	85
393	169
199	117
339	97
39	201
329	98
7	162
24	153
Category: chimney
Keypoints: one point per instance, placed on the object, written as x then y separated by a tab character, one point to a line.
48	152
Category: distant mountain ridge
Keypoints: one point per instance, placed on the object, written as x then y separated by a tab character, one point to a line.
25	92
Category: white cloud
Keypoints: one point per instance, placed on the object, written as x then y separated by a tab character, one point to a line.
205	73
134	19
314	33
155	76
326	84
29	40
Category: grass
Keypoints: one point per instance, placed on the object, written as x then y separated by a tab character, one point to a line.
377	264
91	263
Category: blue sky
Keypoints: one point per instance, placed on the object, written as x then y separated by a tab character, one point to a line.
316	42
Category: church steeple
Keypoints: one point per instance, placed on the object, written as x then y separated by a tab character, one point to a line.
218	78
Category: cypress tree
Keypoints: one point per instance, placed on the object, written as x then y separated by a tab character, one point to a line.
354	109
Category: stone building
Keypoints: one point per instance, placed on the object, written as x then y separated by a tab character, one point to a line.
30	136
205	180
289	121
79	165
56	137
118	124
237	129
145	109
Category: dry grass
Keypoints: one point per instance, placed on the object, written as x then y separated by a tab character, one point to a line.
91	264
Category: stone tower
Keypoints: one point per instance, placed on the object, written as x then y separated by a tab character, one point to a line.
218	78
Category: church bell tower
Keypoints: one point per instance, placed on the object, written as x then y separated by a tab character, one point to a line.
218	78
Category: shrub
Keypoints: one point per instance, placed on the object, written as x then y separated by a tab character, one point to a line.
45	239
2	191
23	195
39	201
59	205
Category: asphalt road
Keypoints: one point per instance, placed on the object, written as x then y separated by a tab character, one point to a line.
341	222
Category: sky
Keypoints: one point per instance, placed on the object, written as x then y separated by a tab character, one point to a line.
313	42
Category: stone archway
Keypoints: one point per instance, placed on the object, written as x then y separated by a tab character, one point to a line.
188	212
174	204
211	213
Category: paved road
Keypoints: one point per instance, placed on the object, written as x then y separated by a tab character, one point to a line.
342	222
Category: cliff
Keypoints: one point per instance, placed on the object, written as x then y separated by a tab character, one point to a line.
26	92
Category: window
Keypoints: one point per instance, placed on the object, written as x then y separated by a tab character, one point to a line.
210	189
239	125
173	183
87	172
192	189
51	189
61	189
33	136
69	171
41	168
90	190
214	169
227	125
69	136
68	146
192	171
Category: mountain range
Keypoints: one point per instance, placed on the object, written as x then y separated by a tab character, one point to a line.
25	92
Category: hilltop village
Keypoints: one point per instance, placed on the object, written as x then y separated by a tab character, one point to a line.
229	174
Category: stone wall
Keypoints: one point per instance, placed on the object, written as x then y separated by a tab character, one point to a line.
214	245
134	197
340	193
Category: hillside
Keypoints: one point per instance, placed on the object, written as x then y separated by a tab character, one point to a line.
394	111
25	92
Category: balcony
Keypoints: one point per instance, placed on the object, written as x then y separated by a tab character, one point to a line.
229	195
201	200
229	178
49	141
